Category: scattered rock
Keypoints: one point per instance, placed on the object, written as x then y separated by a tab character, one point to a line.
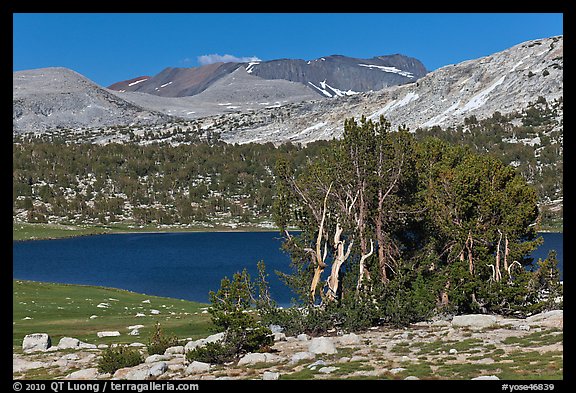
134	332
279	336
485	377
36	342
452	351
253	358
103	305
327	370
349	339
276	328
203	341
93	316
158	369
154	312
303	337
135	327
108	334
156	358
474	321
552	319
89	373
411	378
270	376
197	368
523	327
68	343
484	361
22	365
316	364
322	345
136	345
102	346
298	356
140	315
397	370
177	350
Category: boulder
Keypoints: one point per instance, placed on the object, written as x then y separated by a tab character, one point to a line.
322	345
474	321
21	365
327	370
276	328
279	336
552	319
134	332
177	350
197	368
36	342
156	358
158	369
203	341
270	376
485	377
303	337
298	356
349	339
69	343
89	373
108	334
253	358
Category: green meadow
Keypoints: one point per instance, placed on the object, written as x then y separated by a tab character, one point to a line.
80	311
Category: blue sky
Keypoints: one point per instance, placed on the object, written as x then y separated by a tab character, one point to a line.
110	47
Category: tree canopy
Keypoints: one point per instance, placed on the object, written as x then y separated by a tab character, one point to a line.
407	227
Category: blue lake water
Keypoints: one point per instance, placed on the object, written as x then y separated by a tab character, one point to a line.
179	265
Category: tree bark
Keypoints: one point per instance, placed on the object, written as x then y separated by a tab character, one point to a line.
339	259
497	274
320	258
362	268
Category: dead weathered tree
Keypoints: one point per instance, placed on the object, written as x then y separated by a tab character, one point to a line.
319	256
340	257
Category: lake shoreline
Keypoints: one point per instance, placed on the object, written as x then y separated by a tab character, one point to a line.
59	231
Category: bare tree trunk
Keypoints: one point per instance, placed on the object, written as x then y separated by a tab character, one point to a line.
362	268
339	259
469	244
506	252
497	274
320	258
444	295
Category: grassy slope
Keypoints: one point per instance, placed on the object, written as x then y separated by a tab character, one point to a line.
25	231
63	310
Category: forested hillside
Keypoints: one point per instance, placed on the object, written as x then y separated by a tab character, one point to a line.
202	181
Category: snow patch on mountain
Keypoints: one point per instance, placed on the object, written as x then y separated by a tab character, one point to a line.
389	69
138	81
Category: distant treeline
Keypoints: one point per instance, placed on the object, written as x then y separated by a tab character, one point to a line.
159	183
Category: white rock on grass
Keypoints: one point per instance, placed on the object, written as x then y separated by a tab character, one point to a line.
108	334
135	327
327	370
322	345
485	377
68	343
36	342
134	332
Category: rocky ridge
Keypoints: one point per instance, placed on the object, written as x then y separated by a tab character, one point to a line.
506	81
466	347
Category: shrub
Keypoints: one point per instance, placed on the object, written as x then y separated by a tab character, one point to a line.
230	313
118	357
214	352
159	342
